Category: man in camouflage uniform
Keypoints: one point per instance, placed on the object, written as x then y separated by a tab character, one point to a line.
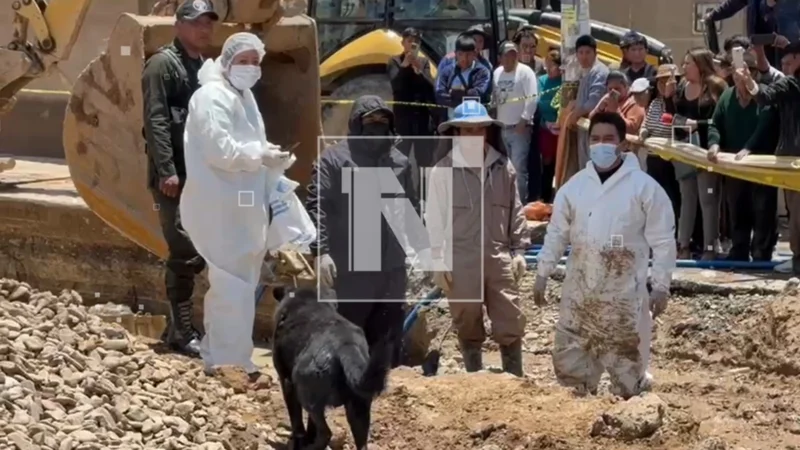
168	82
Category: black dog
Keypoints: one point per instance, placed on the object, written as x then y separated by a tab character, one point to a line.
323	360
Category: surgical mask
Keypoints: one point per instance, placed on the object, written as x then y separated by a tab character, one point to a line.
244	77
603	155
485	54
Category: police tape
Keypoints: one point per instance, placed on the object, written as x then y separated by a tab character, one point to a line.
491	104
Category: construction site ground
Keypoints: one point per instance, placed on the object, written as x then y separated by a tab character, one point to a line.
725	360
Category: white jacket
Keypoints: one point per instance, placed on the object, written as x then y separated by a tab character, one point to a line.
612	227
223	202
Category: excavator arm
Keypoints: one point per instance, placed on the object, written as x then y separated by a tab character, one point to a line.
44	32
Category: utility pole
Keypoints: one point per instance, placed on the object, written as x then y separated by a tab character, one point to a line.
574	23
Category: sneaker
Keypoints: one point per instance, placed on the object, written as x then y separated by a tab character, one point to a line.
785	267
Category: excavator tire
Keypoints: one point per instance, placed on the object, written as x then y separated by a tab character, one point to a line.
103	128
336	109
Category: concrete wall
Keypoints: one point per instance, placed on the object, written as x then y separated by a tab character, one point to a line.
670	22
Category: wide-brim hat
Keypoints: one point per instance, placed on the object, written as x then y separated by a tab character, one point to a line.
665	70
469	113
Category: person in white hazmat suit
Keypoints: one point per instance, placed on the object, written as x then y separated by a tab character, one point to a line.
613	214
223	205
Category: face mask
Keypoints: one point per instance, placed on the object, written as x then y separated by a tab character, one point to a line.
603	155
244	77
375	129
485	54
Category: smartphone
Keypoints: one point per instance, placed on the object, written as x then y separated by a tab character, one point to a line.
762	39
291	147
737	55
415	46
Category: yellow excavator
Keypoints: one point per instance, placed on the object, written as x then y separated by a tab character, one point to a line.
102	133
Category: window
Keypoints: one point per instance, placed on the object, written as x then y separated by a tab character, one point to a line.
350	9
700	10
443	9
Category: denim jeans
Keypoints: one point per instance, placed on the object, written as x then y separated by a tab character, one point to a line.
518	147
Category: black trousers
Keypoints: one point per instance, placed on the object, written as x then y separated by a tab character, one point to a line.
664	173
374	302
753	210
183	262
416	134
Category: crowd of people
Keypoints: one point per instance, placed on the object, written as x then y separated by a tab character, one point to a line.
624	208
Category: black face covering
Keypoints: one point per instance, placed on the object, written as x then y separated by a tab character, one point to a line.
382	142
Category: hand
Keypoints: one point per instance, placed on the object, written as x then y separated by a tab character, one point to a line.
644	133
326	270
707	16
518	266
658	302
742	153
539	288
522	127
780	41
170	186
276	159
444	281
669	90
418	62
406	61
712	153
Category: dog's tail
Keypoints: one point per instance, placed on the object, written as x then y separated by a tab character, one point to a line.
366	375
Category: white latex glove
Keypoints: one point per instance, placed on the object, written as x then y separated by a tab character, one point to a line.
539	288
518	266
326	270
644	133
658	302
275	158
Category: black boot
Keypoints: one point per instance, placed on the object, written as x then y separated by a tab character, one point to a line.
511	357
473	359
180	335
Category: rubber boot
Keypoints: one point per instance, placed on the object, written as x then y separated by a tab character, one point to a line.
511	357
180	334
473	359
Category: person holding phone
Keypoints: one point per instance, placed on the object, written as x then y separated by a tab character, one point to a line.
412	84
618	100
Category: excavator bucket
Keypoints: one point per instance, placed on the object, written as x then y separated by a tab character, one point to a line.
103	134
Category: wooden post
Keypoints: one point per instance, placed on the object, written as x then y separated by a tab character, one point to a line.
574	23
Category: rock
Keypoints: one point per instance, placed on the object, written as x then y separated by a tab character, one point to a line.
636	418
712	443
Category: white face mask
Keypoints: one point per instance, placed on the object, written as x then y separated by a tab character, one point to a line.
244	77
603	155
485	53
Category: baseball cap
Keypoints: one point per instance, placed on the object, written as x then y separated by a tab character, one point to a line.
192	9
508	47
640	85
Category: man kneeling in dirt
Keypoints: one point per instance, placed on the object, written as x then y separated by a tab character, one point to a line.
613	214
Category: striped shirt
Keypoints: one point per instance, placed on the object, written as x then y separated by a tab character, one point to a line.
652	120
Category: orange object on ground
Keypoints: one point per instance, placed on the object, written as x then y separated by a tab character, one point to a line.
538	211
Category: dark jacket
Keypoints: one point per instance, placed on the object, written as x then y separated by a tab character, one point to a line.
410	86
168	81
479	84
756	19
784	94
329	205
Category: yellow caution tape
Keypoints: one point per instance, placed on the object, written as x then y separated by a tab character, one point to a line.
45	92
433	105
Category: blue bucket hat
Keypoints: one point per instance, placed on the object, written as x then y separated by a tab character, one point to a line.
469	113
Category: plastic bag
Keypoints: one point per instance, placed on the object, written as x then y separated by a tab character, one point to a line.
291	228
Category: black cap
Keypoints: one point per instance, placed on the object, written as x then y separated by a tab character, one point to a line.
792	49
192	9
477	29
632	38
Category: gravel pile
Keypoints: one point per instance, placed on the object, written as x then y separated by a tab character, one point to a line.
69	380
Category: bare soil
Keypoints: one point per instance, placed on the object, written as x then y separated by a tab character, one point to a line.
726	370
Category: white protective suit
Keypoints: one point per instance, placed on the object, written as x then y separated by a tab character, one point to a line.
223	205
605	321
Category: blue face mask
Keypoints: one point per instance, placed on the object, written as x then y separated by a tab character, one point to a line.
603	155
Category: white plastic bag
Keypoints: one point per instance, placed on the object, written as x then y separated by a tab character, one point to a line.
291	227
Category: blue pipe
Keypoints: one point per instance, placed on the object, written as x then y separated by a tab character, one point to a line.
432	297
693	264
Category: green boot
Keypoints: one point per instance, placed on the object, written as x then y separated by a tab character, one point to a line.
511	356
473	359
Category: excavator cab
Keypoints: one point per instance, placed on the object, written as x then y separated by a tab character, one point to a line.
357	38
102	132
